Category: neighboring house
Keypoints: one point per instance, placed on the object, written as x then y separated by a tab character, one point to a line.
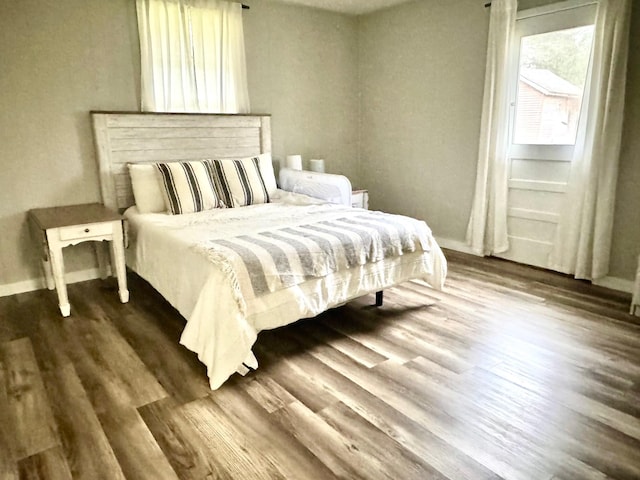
548	108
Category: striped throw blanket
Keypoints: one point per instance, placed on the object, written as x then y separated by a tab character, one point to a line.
273	259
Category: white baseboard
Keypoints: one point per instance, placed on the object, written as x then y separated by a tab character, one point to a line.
457	245
615	283
39	283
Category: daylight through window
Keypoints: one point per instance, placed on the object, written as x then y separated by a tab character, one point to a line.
552	72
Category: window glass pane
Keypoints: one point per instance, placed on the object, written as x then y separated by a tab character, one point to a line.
552	72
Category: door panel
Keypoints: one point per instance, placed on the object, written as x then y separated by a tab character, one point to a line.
540	230
527	250
546	202
540	170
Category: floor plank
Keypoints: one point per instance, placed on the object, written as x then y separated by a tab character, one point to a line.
179	440
49	464
110	351
27	406
279	444
79	426
235	456
114	397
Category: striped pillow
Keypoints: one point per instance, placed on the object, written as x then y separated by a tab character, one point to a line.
239	182
188	187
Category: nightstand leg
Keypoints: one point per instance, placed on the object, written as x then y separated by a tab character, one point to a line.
113	261
46	256
46	267
57	265
117	249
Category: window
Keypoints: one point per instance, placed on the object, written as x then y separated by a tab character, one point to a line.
551	76
192	56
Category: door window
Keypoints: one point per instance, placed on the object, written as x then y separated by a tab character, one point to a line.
551	76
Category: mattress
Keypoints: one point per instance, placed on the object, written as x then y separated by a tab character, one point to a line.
224	315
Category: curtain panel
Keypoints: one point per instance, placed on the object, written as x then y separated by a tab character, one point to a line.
487	230
192	56
583	244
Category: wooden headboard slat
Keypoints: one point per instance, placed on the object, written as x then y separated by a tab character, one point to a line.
125	138
183	132
173	120
174	154
188	143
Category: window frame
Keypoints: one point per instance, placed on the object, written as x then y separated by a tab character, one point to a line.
539	20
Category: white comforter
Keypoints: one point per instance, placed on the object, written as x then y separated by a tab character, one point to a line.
223	314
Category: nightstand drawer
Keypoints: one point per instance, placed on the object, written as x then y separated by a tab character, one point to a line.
75	232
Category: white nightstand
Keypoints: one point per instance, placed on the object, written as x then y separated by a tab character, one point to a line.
60	227
360	199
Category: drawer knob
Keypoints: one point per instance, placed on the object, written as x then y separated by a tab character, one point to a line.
86	230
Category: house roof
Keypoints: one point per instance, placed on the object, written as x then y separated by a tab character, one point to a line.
548	82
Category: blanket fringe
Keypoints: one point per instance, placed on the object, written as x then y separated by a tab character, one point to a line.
221	261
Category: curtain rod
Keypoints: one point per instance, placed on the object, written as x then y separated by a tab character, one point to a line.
571	4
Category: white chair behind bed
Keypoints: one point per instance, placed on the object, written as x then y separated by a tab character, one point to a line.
325	186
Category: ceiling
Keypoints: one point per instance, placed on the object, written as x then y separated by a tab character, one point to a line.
351	7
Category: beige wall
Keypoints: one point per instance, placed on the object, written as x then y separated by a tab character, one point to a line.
63	58
302	69
60	59
421	78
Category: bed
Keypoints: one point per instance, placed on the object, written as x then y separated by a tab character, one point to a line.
232	272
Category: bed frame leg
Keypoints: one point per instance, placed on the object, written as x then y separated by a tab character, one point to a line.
379	298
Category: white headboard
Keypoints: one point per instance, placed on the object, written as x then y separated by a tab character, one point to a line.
122	138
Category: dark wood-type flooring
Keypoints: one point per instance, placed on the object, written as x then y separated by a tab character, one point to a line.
510	372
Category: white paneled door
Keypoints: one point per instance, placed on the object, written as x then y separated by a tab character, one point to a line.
550	58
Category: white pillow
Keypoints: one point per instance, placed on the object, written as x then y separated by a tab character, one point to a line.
239	182
268	176
188	186
146	188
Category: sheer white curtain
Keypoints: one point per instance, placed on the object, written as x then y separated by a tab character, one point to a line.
192	56
487	230
583	243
